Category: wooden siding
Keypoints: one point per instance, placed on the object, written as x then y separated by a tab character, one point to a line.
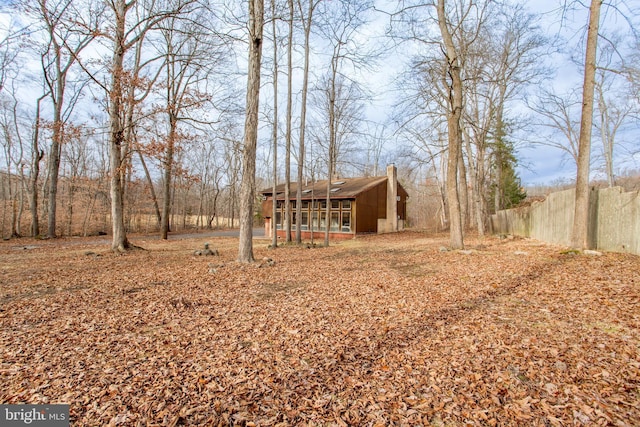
371	205
267	207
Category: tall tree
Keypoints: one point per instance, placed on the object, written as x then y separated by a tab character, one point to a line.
288	130
342	22
454	115
10	66
120	8
247	185
13	151
504	60
36	156
580	231
187	59
274	134
126	34
614	108
68	30
306	24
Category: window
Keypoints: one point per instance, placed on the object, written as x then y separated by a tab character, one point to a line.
323	221
335	221
314	220
279	220
346	222
279	204
305	204
304	223
323	204
346	204
293	220
335	204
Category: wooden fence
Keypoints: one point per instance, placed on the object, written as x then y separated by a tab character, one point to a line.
614	219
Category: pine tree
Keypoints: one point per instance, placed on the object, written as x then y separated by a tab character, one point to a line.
507	191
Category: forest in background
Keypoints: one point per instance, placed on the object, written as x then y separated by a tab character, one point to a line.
146	97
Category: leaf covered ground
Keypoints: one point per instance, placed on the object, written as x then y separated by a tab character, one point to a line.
376	331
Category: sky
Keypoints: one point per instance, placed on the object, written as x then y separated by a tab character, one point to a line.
547	165
540	164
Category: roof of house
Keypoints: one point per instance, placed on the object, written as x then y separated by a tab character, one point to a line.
341	188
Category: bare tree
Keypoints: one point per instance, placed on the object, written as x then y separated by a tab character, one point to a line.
445	66
125	36
36	156
289	119
454	115
188	56
274	134
247	186
557	114
580	231
614	108
503	61
13	151
10	66
69	28
341	22
307	21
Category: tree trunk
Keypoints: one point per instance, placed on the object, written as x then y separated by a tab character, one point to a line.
456	240
580	232
119	241
36	157
332	145
303	119
168	174
475	171
54	168
71	189
463	188
247	185
287	202
274	136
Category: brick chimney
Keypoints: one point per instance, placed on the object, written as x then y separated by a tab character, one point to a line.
392	196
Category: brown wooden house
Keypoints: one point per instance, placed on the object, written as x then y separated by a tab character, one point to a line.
358	206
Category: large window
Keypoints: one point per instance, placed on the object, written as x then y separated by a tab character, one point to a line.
279	220
346	222
314	216
335	221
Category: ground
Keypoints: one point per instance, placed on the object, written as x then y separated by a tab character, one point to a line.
381	330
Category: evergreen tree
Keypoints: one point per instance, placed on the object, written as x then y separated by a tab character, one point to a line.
507	191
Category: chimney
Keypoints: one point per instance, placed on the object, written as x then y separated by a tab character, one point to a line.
392	202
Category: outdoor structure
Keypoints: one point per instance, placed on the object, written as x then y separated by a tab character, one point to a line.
358	206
